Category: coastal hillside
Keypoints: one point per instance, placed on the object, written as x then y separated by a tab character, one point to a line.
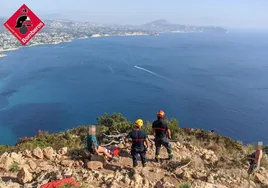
165	26
57	31
202	159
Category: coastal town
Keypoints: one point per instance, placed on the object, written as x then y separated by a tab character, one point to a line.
56	32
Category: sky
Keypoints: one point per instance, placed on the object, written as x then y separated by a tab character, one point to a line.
250	14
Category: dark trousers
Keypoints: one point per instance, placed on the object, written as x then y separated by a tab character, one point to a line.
162	141
135	155
252	168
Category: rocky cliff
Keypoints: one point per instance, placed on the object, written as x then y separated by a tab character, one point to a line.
201	160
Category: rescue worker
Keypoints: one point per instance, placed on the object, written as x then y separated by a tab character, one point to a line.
138	138
162	135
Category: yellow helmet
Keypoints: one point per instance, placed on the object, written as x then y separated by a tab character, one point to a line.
139	123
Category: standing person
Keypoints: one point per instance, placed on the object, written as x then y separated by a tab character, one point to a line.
255	159
94	147
138	138
162	135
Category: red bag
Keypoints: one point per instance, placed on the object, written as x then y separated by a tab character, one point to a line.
58	183
116	151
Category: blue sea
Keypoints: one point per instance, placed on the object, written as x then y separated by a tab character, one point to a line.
210	81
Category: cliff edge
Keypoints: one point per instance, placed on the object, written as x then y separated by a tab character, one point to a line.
201	160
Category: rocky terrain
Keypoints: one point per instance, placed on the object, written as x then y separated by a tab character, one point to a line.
191	166
201	160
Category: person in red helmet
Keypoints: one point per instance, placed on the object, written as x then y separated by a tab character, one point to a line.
162	135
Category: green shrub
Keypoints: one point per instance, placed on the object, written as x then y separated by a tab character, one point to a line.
105	120
116	123
67	135
147	127
185	185
250	148
14	167
174	127
6	148
265	149
81	132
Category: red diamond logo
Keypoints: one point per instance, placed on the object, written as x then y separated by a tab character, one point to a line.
24	24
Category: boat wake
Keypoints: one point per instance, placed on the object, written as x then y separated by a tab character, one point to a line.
153	73
111	69
126	62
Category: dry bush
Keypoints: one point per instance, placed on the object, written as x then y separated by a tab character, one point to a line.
196	162
25	139
214	147
237	172
42	133
181	139
192	140
250	148
264	161
206	137
220	164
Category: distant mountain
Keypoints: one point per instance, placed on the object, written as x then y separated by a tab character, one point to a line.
58	22
157	23
164	26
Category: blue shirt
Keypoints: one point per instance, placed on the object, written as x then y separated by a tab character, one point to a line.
138	137
160	127
91	139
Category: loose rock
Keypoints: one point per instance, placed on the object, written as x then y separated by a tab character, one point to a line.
63	151
67	163
37	152
24	176
6	163
32	164
94	165
16	158
48	153
261	179
27	154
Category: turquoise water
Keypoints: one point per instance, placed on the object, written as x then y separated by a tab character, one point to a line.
206	81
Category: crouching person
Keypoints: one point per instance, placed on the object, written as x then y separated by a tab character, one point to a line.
139	138
255	159
93	146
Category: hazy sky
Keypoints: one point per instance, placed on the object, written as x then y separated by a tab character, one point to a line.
228	13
